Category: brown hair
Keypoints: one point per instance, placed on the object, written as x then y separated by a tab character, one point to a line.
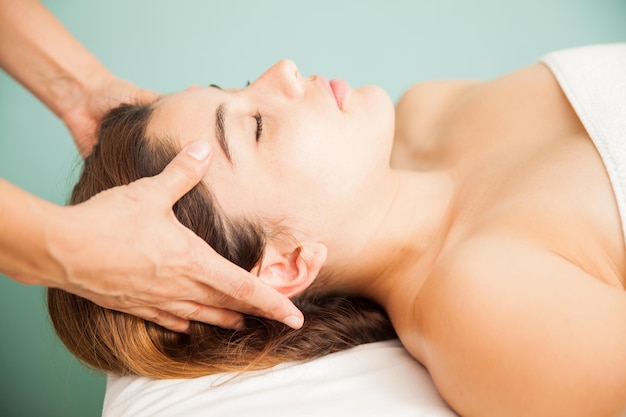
123	344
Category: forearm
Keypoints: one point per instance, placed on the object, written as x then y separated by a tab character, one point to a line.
43	56
24	229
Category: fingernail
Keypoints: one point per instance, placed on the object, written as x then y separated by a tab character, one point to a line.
198	150
240	326
295	322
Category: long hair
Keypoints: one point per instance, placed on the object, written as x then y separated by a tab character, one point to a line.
127	345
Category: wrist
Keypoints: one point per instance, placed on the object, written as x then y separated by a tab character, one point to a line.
39	52
59	243
81	111
25	224
72	93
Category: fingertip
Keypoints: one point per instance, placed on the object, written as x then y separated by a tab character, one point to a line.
179	327
186	328
238	323
174	324
184	172
239	326
295	322
198	150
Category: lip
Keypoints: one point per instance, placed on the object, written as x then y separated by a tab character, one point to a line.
340	91
337	89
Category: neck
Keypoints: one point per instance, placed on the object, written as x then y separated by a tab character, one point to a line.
395	235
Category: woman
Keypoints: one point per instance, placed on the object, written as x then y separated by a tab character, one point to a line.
496	250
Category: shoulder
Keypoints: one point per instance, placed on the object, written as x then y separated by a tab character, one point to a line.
424	105
429	114
432	98
509	321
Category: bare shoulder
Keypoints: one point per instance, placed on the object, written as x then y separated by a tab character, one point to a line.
422	110
431	100
513	329
431	113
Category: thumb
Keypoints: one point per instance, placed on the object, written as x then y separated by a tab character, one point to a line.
185	171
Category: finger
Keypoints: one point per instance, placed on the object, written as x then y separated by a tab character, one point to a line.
249	294
162	318
146	96
221	317
184	171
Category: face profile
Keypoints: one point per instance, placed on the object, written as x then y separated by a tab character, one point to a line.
285	150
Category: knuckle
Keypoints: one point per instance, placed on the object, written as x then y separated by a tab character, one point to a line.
177	168
220	317
137	188
140	191
150	314
230	320
179	172
275	311
221	300
165	319
243	290
191	312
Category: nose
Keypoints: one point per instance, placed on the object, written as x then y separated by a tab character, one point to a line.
284	77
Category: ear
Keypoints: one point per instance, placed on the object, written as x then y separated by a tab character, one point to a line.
290	271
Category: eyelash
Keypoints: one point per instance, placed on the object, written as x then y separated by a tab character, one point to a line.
259	125
259	121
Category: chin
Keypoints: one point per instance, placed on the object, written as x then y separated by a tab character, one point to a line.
375	93
379	107
376	103
376	114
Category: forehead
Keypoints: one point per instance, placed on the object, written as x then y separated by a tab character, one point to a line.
186	114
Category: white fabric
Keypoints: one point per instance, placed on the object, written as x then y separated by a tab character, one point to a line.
376	379
594	81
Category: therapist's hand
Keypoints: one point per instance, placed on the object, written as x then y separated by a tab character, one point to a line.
125	250
105	92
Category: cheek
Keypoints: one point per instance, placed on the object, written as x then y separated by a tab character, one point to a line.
318	161
259	190
336	148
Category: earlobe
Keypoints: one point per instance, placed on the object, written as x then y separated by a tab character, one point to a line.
291	271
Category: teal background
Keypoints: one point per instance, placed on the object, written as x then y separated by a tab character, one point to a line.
170	44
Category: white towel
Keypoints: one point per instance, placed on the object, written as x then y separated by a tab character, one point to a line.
594	80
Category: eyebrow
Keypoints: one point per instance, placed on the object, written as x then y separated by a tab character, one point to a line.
220	130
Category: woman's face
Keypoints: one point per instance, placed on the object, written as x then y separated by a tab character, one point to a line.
291	149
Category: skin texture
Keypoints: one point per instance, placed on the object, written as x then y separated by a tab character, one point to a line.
497	250
105	250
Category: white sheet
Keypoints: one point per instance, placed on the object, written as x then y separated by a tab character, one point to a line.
377	379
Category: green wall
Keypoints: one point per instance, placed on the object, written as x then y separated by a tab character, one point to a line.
170	44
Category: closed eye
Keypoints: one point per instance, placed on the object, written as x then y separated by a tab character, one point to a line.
259	125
